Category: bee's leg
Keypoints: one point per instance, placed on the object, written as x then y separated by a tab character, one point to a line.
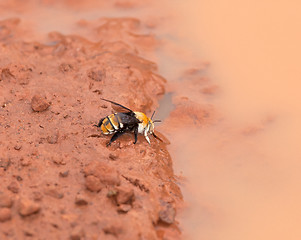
136	133
99	123
157	137
115	136
146	137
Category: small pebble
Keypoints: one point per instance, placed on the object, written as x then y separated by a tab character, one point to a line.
58	160
64	174
25	162
37	196
5	163
39	104
80	199
93	183
17	147
19	178
54	192
124	195
5	214
107	174
113	157
96	74
53	139
112	193
77	233
28	207
13	187
124	208
167	214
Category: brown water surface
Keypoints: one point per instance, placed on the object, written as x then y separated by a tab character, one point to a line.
243	174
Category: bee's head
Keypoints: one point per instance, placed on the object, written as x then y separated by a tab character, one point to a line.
151	126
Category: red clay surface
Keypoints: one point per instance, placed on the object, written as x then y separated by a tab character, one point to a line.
58	178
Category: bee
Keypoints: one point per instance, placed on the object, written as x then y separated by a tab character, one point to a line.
121	122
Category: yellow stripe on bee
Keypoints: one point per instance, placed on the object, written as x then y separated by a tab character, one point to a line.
114	120
104	130
142	118
110	124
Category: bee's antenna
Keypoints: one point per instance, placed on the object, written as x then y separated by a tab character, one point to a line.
153	115
157	121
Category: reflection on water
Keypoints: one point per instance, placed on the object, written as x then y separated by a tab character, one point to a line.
165	107
243	175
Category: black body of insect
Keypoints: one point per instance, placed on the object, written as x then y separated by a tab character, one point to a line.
129	121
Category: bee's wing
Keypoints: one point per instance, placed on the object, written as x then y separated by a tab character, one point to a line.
128	118
116	104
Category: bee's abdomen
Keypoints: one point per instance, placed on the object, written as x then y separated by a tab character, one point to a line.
110	124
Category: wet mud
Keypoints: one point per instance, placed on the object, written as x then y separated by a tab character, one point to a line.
58	178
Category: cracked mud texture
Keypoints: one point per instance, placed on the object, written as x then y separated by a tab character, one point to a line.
58	178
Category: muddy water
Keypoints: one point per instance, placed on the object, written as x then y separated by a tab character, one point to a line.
243	174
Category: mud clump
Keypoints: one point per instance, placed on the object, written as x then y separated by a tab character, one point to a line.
106	174
167	214
5	214
81	200
4	163
124	208
77	234
13	187
54	192
96	74
27	207
5	200
18	147
64	174
53	138
93	183
39	104
124	195
6	75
